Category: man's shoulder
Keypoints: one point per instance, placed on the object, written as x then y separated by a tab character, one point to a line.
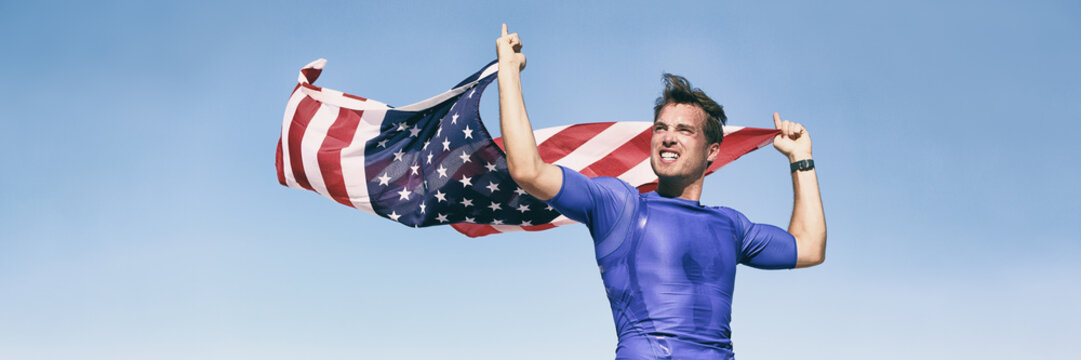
615	183
732	214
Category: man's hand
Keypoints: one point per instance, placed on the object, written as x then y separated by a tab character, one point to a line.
793	141
509	49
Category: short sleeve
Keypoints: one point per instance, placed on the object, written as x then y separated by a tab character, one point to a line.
764	246
596	202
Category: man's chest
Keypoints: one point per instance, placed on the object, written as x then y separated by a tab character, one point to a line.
696	244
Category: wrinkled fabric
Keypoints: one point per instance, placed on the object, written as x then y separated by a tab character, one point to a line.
669	264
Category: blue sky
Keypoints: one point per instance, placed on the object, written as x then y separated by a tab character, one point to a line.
141	216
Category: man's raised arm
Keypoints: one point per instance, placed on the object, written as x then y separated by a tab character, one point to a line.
808	222
540	179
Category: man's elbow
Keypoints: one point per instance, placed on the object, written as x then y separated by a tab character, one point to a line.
523	174
811	254
815	260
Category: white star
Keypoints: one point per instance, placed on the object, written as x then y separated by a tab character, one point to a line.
439	131
383	180
470	220
490	166
401	126
429	158
549	208
471	93
467	202
440	195
497	222
404	194
466	180
523	208
454	119
382	143
494	206
425	147
519	191
414	131
442	171
422	206
414	169
527	223
398	155
464	157
394	216
441	218
468	133
446	144
492	187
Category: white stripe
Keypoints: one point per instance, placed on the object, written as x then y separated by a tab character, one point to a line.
435	100
312	141
602	144
287	122
558	221
353	171
335	97
545	133
730	129
640	174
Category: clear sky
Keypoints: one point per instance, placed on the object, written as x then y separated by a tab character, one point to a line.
141	218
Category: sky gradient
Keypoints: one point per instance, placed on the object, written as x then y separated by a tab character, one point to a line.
142	219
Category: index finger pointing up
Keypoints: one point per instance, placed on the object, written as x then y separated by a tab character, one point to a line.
504	29
776	119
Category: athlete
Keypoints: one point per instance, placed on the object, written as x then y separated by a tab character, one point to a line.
668	262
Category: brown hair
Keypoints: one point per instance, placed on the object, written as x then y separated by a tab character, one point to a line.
677	90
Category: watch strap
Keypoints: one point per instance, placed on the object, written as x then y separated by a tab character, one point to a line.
802	165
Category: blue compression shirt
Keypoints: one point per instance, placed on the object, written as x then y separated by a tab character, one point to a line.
669	264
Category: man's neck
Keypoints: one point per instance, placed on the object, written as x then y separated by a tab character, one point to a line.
673	188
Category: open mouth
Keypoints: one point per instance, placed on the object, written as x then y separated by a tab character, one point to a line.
669	156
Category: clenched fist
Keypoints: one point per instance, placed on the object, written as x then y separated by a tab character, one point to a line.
509	49
793	141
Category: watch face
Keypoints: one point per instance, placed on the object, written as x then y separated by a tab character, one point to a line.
801	165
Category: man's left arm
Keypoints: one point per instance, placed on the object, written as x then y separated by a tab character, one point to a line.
808	224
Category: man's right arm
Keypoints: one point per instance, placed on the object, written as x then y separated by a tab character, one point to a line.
538	178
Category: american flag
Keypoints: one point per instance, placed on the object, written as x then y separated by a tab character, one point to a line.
433	162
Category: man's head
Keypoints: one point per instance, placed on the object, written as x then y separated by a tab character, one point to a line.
686	132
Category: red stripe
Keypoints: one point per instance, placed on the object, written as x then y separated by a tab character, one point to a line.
538	227
311	73
339	135
622	158
739	143
279	163
474	230
305	111
569	139
565	141
478	230
354	97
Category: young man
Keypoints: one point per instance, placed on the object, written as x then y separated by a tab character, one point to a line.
668	262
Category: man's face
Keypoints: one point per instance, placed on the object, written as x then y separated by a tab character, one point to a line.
679	147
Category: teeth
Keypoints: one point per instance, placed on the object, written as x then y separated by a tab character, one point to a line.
669	156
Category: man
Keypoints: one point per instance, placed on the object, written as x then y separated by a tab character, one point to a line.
668	262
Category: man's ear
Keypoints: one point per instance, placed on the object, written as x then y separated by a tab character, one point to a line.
713	151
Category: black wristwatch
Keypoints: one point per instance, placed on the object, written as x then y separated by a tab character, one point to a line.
802	165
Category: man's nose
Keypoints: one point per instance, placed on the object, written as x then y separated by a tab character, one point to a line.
668	139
